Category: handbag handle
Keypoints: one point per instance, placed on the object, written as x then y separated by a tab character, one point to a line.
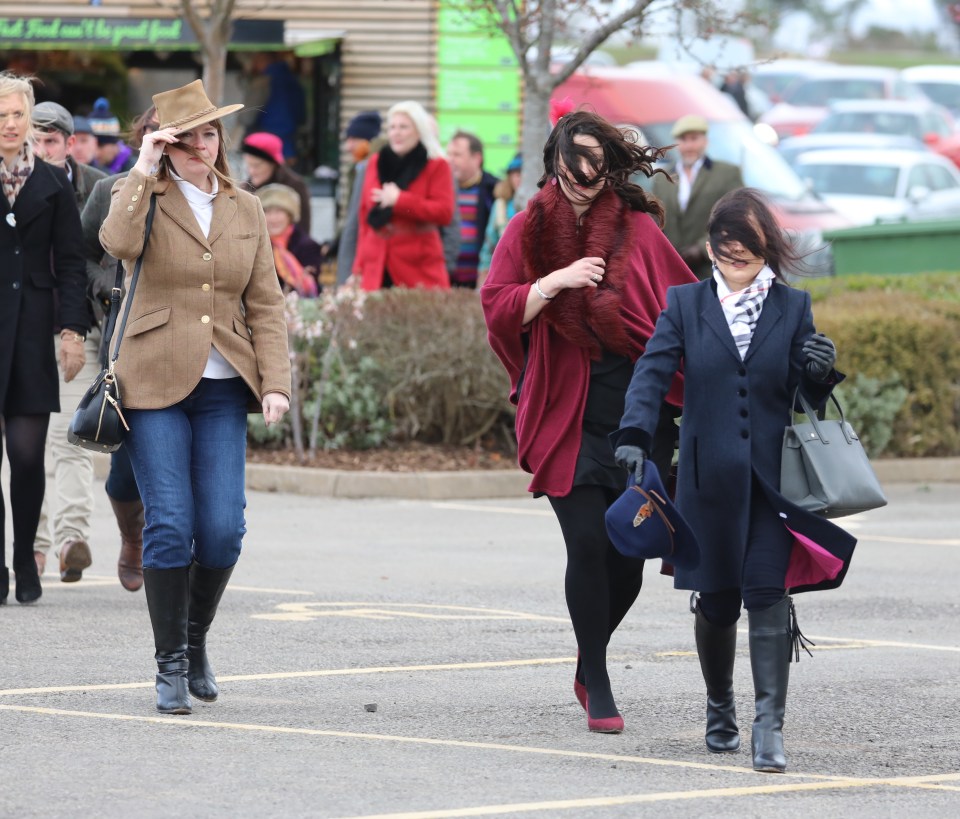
118	290
813	416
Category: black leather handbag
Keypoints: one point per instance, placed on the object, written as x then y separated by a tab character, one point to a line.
98	421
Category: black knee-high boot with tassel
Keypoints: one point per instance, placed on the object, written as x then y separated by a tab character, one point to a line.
771	641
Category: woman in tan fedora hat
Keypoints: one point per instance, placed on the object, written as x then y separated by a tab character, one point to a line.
205	343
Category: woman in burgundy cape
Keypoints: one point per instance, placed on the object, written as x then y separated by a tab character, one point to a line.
576	284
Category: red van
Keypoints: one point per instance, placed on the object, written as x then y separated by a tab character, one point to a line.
653	98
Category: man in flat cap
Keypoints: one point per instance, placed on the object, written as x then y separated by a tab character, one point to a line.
694	187
65	519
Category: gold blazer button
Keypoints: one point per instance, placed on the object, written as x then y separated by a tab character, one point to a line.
205	319
207	257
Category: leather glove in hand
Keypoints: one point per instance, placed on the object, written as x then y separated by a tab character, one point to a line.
821	356
72	357
631	458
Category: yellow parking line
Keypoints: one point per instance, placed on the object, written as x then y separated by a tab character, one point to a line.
920	541
192	722
293	675
615	801
500	510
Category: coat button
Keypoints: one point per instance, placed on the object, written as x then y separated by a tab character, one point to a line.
134	198
744	413
139	187
741	371
129	208
742	392
744	433
16	285
205	319
205	287
207	257
16	251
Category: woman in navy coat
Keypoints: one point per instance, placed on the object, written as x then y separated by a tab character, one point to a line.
746	342
40	254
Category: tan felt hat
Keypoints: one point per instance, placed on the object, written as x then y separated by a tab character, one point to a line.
187	107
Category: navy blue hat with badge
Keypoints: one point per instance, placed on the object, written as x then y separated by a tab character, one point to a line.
643	523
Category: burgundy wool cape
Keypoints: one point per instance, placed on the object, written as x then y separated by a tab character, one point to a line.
548	360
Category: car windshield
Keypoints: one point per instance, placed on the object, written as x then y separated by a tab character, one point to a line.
871	122
854	180
819	93
946	94
735	142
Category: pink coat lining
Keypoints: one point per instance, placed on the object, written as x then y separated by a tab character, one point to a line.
809	563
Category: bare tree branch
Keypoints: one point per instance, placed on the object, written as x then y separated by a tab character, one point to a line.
597	37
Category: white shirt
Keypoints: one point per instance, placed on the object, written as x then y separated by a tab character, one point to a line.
685	183
201	203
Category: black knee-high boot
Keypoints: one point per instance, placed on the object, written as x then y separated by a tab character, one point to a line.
717	648
206	589
770	645
168	600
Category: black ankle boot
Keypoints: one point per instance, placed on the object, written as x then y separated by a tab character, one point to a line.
770	646
27	577
717	647
206	589
168	600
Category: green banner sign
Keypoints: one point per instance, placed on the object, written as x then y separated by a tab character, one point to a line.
126	33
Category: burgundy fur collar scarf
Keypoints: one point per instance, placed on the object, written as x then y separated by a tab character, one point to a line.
588	317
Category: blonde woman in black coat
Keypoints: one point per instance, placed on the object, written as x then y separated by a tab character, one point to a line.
41	254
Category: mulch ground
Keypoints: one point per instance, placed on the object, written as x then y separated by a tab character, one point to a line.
414	457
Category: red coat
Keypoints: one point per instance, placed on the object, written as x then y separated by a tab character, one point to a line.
409	247
555	372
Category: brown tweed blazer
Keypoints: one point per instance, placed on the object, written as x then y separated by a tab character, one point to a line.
194	292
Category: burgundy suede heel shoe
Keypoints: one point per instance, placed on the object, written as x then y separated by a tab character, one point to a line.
604	725
579	689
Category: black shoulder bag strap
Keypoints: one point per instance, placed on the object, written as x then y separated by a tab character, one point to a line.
117	291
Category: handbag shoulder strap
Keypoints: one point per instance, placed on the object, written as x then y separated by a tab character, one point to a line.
115	296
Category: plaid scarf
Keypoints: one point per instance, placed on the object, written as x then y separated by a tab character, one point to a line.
15	176
742	308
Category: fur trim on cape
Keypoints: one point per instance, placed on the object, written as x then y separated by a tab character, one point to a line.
552	239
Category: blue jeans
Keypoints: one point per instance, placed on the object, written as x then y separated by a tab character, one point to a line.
190	461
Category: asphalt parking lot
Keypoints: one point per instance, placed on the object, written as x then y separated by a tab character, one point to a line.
410	658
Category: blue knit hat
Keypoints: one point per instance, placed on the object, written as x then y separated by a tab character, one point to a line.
103	123
365	125
515	164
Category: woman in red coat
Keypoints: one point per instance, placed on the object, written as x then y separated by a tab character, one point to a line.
407	196
575	287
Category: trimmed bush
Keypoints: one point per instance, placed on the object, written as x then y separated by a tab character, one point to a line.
898	341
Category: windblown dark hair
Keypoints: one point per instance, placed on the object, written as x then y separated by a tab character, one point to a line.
220	167
622	158
744	215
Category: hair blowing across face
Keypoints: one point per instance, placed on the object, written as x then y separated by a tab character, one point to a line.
622	158
744	216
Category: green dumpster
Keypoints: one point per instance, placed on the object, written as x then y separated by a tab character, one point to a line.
897	247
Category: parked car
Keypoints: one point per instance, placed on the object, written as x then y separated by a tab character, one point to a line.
791	147
872	186
652	99
778	76
922	120
939	82
805	104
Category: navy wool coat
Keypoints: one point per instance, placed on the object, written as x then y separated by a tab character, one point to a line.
43	282
734	415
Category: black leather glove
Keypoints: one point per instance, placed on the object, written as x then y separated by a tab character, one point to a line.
631	458
821	356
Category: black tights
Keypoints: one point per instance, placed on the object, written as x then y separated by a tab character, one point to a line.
601	586
25	437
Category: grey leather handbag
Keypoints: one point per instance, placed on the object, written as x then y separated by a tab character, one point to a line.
824	468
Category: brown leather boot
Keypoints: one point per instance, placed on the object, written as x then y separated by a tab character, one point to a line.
130	522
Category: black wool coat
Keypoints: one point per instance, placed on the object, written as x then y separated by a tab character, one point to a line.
734	415
43	282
